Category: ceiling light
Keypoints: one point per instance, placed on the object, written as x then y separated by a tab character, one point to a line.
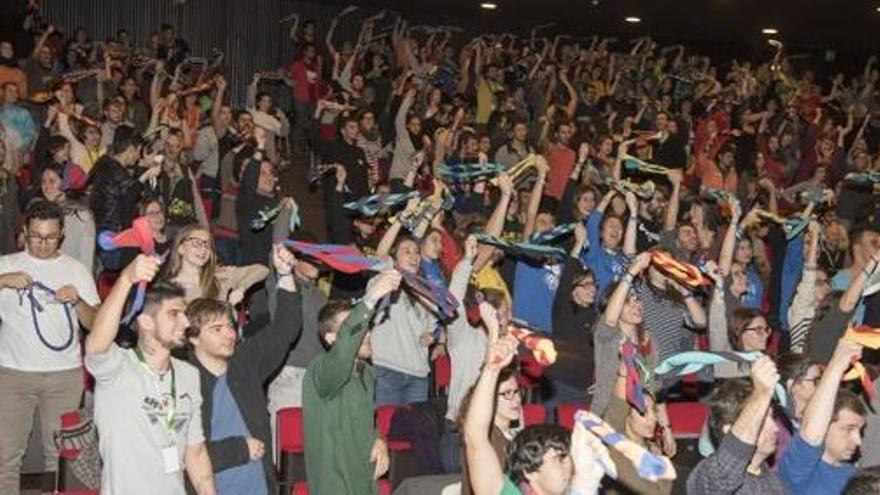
770	31
488	6
878	9
632	19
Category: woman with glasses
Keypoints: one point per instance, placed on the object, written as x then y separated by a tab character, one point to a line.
506	422
192	264
799	375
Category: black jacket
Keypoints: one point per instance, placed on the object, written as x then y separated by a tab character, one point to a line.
115	195
253	362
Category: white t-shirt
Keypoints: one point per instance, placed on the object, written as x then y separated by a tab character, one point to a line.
131	413
20	345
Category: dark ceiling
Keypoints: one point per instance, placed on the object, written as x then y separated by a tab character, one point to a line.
842	25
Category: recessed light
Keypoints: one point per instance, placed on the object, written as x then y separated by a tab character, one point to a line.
878	9
488	6
770	31
632	19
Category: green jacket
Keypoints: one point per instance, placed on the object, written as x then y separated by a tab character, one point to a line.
338	414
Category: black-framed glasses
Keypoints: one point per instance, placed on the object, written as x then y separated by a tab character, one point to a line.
51	239
510	394
198	243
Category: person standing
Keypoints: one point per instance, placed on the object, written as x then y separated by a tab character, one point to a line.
40	364
147	404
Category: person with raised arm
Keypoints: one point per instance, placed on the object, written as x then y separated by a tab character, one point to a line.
147	403
820	458
541	459
742	429
232	374
343	453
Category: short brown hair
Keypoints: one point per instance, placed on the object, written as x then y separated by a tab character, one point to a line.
203	311
847	399
328	313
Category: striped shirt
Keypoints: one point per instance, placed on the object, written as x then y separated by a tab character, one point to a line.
665	319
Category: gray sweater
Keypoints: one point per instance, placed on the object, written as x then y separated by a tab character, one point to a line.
466	345
396	335
725	472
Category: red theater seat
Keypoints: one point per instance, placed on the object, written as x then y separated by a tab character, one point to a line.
687	418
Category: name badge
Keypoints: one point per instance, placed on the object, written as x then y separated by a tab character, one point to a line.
171	459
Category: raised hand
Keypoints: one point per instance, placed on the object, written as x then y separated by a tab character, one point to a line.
143	268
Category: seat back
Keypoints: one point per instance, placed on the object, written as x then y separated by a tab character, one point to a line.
687	418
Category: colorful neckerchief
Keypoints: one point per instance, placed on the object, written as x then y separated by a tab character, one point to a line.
469	172
649	466
36	306
270	213
552	234
870	338
635	370
644	190
371	205
346	259
139	236
425	211
632	163
863	178
680	271
536	252
717	194
542	348
685	363
445	302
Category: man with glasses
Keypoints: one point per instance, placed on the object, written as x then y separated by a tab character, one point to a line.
44	297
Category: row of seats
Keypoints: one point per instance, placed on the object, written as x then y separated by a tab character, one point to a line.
686	420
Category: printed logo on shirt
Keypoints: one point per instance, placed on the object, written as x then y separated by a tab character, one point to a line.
157	409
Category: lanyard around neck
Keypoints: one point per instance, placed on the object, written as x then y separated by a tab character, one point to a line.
172	406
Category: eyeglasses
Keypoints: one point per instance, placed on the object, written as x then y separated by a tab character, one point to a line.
51	239
198	243
763	329
511	394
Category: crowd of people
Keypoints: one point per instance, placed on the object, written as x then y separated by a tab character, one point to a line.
619	227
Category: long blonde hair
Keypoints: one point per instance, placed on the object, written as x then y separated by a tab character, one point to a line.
207	279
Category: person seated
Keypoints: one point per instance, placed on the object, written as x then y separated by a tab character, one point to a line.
744	434
541	459
820	457
641	428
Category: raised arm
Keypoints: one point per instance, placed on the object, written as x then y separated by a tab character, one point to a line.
615	303
106	324
817	415
725	258
675	177
535	198
629	237
486	474
749	422
495	225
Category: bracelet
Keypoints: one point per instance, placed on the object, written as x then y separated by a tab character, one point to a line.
282	275
628	278
688	295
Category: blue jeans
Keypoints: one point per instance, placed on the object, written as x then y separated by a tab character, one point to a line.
396	388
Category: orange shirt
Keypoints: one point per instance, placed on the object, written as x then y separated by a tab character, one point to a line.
711	176
16	75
